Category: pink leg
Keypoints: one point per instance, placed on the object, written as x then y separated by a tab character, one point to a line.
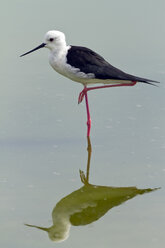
84	93
85	90
88	113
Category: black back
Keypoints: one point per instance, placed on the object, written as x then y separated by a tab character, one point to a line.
89	61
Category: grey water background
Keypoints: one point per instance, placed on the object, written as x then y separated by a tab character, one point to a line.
43	130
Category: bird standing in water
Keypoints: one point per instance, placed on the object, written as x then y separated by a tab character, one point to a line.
84	66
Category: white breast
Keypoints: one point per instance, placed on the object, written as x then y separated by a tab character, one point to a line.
58	61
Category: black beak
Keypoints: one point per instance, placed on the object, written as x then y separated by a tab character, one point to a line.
38	47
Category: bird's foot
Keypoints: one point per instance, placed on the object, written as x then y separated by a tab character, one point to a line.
83	178
81	95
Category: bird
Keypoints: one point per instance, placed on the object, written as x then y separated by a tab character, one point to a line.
85	66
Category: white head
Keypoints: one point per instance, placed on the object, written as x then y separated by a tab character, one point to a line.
58	232
53	40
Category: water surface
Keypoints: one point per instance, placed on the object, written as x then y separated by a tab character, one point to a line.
43	131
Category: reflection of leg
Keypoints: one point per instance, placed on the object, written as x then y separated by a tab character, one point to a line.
85	179
89	149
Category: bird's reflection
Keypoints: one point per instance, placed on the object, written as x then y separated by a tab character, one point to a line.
86	205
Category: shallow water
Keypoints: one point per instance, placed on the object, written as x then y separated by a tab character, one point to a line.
43	131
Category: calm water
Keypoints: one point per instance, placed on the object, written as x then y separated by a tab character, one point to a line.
48	178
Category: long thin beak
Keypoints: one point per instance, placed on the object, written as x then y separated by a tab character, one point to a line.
41	228
38	47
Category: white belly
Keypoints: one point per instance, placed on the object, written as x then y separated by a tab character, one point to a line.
71	72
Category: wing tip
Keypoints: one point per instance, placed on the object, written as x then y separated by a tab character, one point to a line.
151	82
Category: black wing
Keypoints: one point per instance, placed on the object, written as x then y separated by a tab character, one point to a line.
89	61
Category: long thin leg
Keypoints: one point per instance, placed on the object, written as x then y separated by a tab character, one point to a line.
84	93
85	90
88	113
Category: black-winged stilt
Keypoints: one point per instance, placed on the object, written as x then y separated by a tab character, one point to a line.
85	66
